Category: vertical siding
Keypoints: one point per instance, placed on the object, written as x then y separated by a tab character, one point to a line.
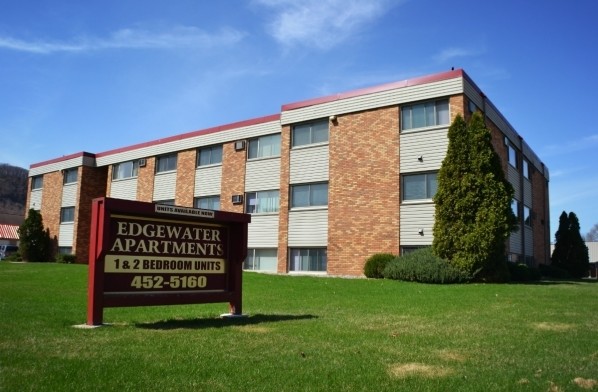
65	236
69	195
413	218
309	164
263	231
208	180
529	241
124	189
165	186
430	145
513	178
515	244
527	193
36	199
262	174
308	228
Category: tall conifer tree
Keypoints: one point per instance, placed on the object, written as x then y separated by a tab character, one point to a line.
35	243
473	203
570	251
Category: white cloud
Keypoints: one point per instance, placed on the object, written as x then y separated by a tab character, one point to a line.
177	37
585	143
321	23
449	54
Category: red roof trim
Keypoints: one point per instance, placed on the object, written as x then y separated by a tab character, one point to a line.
370	90
63	158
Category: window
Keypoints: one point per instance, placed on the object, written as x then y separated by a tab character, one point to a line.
70	176
308	259
67	214
411	248
166	163
209	155
309	195
261	260
264	146
515	208
472	107
310	133
425	114
168	202
262	202
207	202
512	155
527	216
419	186
525	168
65	250
37	182
125	170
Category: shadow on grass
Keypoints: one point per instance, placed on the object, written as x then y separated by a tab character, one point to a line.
550	282
223	322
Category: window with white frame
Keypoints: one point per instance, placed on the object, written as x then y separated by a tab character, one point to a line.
525	168
309	195
37	182
67	214
209	155
261	260
166	163
310	133
527	216
425	114
125	170
419	186
207	202
70	176
308	259
262	202
515	207
264	146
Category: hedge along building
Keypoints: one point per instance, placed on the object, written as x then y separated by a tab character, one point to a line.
328	181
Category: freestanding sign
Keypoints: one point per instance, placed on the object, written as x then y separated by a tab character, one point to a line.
152	254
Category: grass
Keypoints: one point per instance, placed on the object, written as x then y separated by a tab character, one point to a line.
302	334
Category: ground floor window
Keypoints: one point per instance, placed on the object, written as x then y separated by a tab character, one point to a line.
411	248
261	260
65	250
308	259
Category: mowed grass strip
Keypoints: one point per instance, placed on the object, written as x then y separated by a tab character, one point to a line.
302	334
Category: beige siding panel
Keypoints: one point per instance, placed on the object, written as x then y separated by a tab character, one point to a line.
413	218
62	165
164	186
515	243
35	200
208	181
192	142
65	234
309	164
308	228
69	195
527	192
430	145
513	178
374	100
262	174
529	241
124	189
263	231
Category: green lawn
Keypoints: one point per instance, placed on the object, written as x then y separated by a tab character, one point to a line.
302	334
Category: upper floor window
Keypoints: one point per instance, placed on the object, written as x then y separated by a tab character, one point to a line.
67	214
525	168
309	195
37	182
207	202
426	114
262	202
125	170
264	146
310	133
512	155
515	207
166	163
527	216
419	186
70	176
209	155
167	202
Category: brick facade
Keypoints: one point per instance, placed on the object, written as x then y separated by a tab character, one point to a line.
92	184
51	204
185	178
233	177
283	213
540	218
145	181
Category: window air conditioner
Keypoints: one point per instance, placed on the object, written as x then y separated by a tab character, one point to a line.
142	162
237	199
239	145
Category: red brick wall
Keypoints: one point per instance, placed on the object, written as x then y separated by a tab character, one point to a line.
233	177
145	181
363	193
185	178
51	203
540	218
283	214
92	184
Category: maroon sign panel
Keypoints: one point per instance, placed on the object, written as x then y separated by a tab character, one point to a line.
152	254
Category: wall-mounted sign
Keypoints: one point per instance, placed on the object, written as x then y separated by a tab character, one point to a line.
152	254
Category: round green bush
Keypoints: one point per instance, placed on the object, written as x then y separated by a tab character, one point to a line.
375	264
424	267
520	272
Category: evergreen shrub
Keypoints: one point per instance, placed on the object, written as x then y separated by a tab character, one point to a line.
520	272
375	264
424	267
552	271
66	258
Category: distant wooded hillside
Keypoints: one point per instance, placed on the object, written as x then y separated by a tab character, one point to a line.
13	193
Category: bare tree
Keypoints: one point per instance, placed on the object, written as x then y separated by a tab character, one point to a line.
592	235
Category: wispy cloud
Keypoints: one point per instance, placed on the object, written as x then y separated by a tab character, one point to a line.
584	143
130	38
450	54
321	23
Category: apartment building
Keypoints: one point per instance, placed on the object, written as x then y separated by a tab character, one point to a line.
328	181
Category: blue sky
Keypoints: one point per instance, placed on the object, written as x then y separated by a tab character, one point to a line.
98	75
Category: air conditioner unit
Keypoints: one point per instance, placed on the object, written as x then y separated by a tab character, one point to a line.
239	145
237	199
142	162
